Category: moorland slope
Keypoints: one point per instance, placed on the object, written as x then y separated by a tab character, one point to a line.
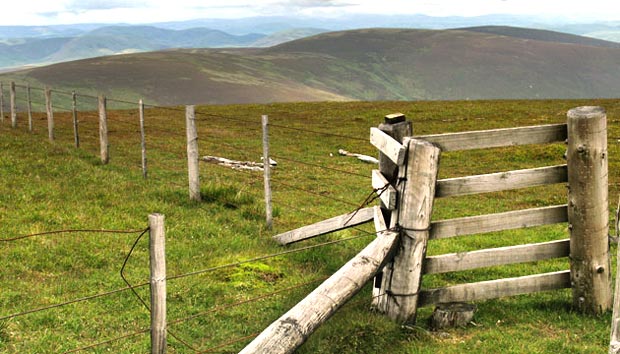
369	64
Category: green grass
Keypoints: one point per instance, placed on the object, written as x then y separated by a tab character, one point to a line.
55	186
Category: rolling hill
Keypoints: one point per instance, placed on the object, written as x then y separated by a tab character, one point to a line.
370	64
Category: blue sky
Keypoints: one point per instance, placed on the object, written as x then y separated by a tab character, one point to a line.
47	12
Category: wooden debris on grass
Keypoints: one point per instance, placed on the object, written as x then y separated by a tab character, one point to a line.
365	158
237	165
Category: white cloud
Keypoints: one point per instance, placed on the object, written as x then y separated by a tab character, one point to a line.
40	12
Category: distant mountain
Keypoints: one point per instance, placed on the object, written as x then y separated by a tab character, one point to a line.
287	36
8	32
133	39
30	50
370	64
114	40
19	48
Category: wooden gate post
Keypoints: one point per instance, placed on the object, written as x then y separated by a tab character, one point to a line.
158	283
13	106
192	154
396	126
416	194
588	209
50	113
104	146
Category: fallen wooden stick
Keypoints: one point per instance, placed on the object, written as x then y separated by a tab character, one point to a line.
365	158
237	165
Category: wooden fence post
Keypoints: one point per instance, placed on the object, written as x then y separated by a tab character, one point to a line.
103	131
29	107
416	194
50	113
158	283
13	106
396	126
76	134
1	102
588	209
614	342
192	154
267	172
142	137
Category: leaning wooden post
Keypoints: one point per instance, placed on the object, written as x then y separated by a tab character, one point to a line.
104	146
142	137
267	172
291	330
192	154
416	194
74	115
50	113
13	106
158	283
29	107
396	126
588	209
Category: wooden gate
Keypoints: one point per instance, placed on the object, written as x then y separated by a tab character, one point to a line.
407	184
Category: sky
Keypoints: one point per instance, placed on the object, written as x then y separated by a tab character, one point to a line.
51	12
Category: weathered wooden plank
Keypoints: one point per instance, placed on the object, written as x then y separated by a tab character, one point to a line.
398	127
379	220
386	192
493	289
326	226
415	206
454	262
481	139
588	210
394	150
495	182
291	330
497	222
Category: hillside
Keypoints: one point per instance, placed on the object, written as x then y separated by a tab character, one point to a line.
371	64
542	35
227	278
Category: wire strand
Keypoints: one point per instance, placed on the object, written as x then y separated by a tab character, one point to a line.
273	255
243	302
71	231
134	334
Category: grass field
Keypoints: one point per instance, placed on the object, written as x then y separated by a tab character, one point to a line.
53	186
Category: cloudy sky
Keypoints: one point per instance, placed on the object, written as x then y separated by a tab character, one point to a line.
47	12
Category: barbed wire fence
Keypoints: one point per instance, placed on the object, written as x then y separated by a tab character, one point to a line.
77	120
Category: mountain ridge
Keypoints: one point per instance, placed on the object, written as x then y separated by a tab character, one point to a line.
368	64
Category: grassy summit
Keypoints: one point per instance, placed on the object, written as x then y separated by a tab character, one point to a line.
54	186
